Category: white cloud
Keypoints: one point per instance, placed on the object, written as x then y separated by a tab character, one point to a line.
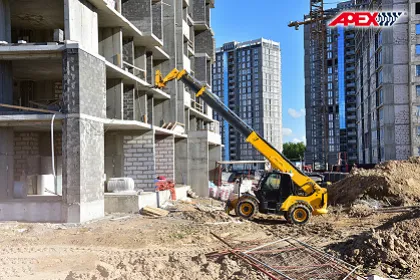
296	140
287	131
296	114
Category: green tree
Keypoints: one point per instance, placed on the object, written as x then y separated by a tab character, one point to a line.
294	151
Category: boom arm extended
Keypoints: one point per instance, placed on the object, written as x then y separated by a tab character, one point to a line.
276	158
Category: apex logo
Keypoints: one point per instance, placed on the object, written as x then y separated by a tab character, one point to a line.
366	19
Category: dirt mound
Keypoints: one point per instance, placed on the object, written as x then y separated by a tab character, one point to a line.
393	249
394	182
170	267
203	217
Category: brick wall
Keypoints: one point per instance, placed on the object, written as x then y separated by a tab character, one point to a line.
26	159
165	157
128	106
157	19
139	160
199	10
204	43
139	13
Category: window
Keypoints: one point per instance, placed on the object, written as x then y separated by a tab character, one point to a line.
417	49
417	29
418	131
418	68
417	8
418	90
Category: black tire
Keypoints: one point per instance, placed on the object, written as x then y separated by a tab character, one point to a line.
286	216
246	208
299	214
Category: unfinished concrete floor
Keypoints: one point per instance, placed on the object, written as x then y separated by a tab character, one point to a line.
173	247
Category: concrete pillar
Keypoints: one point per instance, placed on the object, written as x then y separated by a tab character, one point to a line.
140	62
199	162
181	162
140	107
6	163
150	110
81	24
215	154
111	45
139	159
165	156
114	99
5	23
84	93
149	68
139	13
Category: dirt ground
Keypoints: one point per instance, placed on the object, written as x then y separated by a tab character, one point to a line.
175	247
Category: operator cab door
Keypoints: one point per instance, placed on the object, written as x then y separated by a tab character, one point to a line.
275	189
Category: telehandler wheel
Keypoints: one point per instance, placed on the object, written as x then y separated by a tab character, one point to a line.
246	208
299	214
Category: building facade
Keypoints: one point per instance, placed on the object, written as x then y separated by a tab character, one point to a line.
388	85
247	77
78	103
331	132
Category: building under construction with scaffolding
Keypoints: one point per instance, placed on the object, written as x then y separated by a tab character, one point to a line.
330	99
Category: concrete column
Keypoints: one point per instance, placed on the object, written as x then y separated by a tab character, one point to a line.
81	24
139	159
111	45
182	174
215	154
149	68
140	107
199	162
84	93
5	23
139	13
140	62
114	99
6	163
150	110
165	156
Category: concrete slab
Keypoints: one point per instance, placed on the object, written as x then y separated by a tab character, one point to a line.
132	203
32	209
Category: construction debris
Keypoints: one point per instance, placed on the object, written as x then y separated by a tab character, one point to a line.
154	212
394	183
289	258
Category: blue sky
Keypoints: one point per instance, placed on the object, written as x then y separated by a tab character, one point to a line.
242	20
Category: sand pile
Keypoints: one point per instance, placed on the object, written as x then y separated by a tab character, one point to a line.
394	182
393	249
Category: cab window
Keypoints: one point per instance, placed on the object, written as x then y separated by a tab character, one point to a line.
272	182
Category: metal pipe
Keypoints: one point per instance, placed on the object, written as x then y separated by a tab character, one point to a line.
52	149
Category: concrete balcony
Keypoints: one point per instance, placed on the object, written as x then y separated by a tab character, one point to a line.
109	17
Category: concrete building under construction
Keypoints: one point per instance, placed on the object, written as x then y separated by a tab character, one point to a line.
78	106
388	84
330	96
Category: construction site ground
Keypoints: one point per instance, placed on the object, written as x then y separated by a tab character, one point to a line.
175	246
